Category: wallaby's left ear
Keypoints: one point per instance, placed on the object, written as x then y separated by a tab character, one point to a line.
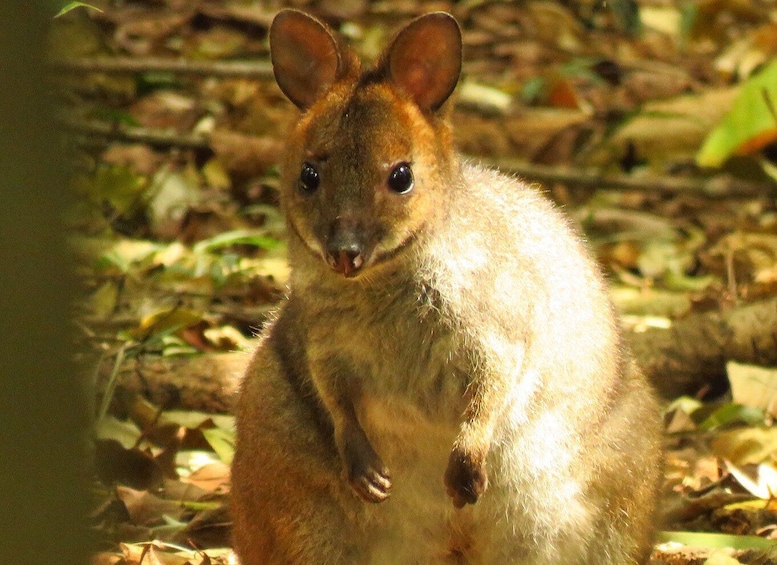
424	59
306	57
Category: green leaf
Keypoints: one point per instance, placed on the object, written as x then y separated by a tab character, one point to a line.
165	322
533	88
730	414
119	186
192	419
115	116
223	443
73	6
627	13
125	432
749	125
173	346
235	237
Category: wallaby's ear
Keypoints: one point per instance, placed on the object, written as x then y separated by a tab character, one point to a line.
306	57
424	59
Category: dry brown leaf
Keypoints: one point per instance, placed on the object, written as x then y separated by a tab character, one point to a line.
246	156
746	55
146	509
166	110
212	477
255	14
209	528
753	254
670	130
555	24
139	32
178	490
531	131
342	9
140	158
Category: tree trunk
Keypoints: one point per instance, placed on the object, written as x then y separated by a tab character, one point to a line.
44	502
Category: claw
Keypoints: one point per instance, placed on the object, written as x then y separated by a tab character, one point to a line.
367	474
373	486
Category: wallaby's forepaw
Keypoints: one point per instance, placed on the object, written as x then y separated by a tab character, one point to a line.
465	479
366	472
371	483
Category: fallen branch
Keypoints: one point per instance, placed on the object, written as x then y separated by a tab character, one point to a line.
259	69
693	353
132	134
206	383
681	360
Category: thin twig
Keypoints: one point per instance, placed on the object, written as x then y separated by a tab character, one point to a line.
261	69
717	187
110	387
120	132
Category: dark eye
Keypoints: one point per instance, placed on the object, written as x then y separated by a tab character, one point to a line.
401	179
308	178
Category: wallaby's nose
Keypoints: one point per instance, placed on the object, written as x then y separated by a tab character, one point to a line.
345	257
345	261
345	251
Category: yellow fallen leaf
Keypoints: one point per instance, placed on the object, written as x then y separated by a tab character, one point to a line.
753	386
746	445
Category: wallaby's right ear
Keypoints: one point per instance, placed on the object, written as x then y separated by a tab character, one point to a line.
306	57
425	59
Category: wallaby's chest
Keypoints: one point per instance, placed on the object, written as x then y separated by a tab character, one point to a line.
399	346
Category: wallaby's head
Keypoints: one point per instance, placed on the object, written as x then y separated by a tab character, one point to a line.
367	164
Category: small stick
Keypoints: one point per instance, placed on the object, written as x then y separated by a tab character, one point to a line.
261	69
717	187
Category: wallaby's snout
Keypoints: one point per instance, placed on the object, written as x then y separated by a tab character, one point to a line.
345	247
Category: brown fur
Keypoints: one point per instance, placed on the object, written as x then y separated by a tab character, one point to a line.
465	371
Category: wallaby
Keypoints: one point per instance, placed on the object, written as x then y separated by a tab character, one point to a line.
446	381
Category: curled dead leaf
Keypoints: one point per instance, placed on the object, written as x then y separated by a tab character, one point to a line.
245	156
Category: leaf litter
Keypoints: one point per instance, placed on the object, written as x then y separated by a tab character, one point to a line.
182	248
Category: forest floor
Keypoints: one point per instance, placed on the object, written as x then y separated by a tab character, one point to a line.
651	123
